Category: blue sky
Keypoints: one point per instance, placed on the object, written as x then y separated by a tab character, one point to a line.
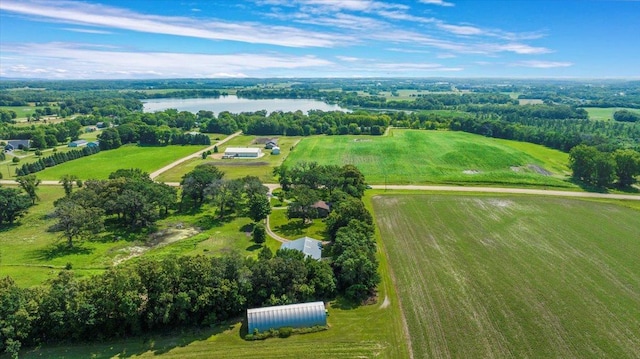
111	39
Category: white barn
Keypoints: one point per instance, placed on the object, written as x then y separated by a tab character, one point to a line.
242	152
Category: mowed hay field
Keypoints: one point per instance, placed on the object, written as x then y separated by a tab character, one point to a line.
100	165
420	157
606	113
509	276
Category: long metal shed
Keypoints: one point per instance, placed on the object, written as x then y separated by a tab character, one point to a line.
301	315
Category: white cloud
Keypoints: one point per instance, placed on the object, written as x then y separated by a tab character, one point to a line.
112	17
461	30
542	64
437	2
88	31
349	58
76	61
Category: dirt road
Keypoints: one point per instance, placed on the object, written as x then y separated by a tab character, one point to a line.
541	192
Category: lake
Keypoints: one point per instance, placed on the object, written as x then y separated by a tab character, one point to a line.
234	104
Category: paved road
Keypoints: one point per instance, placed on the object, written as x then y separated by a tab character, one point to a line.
198	154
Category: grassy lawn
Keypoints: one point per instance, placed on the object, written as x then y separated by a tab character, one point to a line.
31	255
507	276
422	157
606	113
130	156
21	111
237	168
294	229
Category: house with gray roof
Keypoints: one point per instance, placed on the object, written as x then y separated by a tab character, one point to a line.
309	246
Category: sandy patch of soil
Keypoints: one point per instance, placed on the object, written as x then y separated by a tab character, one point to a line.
385	303
156	240
471	172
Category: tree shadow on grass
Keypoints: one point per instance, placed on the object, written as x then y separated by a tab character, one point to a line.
254	247
157	343
588	187
344	303
59	250
293	228
209	221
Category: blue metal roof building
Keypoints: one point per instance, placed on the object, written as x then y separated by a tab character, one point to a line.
301	315
309	246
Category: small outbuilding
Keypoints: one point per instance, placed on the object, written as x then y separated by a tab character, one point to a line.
78	143
242	152
322	208
309	246
301	315
275	150
93	144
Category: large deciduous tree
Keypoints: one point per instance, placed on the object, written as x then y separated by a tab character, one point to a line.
627	166
76	221
195	182
13	205
29	184
67	183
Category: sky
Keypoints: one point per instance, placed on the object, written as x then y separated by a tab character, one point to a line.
147	39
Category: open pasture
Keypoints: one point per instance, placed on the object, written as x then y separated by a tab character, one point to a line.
421	157
100	165
606	113
31	255
21	111
514	276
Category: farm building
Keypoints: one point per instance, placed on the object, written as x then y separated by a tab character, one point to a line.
242	152
301	315
309	246
17	145
93	144
322	208
271	144
78	143
268	142
275	150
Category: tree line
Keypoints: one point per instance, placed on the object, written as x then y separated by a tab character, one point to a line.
55	159
604	169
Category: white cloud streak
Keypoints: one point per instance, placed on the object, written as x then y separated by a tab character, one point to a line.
537	64
437	2
111	17
76	61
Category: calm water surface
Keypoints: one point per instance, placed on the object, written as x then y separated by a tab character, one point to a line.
234	104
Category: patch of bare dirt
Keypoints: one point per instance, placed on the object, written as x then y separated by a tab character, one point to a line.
156	240
539	170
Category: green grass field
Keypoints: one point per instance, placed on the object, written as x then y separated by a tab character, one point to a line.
21	111
606	113
238	168
507	276
130	156
31	255
294	229
421	157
